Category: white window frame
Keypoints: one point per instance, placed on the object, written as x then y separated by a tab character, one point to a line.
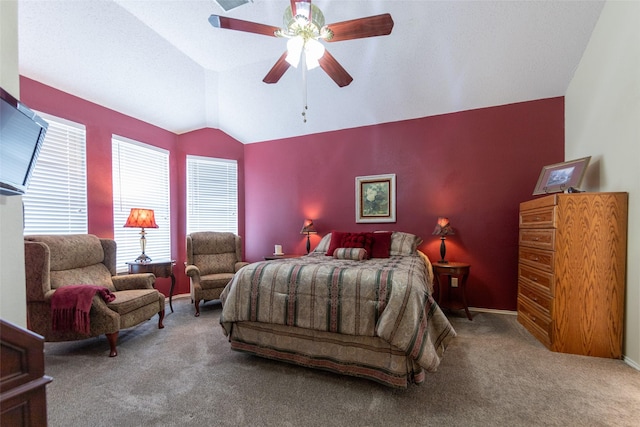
56	200
212	194
140	180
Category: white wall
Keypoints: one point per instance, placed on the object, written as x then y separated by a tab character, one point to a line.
602	120
13	298
9	79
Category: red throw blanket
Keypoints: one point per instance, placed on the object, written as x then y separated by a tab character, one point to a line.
70	306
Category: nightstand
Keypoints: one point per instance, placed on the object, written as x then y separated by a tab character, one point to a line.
162	268
444	273
272	257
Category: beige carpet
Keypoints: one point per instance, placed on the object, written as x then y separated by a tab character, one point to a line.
493	374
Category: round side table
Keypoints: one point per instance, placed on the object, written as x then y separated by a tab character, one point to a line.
444	273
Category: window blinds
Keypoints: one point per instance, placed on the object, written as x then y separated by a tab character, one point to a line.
140	180
212	194
56	200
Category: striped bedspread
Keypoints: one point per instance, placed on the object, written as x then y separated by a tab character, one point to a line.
389	298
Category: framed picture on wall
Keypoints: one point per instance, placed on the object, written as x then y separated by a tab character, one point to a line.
376	198
561	176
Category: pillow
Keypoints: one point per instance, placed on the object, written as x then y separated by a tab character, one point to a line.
341	239
381	244
336	242
404	243
323	246
354	254
358	240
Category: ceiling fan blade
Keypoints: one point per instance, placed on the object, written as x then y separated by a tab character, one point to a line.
278	70
218	21
339	75
378	25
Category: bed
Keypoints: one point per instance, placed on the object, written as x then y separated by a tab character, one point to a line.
334	309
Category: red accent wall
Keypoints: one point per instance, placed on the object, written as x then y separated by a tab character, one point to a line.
101	123
474	167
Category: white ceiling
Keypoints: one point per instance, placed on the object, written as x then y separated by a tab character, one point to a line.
160	61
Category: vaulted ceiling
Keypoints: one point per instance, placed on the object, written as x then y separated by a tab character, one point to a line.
162	62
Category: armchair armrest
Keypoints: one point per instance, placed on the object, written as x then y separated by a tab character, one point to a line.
192	271
37	277
133	281
49	295
194	274
240	264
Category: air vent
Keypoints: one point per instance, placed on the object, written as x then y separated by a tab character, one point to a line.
227	5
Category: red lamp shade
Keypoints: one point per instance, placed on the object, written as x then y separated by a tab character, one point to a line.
141	218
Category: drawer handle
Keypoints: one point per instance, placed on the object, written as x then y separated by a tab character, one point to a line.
535	299
535	258
534	278
536	238
538	218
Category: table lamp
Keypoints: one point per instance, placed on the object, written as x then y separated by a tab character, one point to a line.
443	228
308	228
142	218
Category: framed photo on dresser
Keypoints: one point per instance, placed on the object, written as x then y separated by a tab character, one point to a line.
559	177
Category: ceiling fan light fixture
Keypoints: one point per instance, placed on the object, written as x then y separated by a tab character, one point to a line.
294	50
307	20
303	9
313	51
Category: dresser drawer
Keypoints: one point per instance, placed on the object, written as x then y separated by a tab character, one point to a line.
536	322
543	301
538	258
538	218
536	279
541	239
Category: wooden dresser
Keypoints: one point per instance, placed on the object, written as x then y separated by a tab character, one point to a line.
23	399
571	271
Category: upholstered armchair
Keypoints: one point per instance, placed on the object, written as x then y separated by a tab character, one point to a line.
212	260
53	262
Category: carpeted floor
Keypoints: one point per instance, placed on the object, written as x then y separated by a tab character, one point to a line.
493	374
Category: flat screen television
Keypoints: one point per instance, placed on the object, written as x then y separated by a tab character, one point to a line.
21	136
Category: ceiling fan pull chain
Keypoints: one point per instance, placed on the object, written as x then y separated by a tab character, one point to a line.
304	87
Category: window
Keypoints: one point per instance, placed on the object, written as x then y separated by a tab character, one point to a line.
140	180
212	194
56	201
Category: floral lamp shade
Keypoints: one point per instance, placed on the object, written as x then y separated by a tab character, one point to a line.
443	229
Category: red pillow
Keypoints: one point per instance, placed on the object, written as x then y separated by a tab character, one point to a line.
381	244
359	240
336	242
341	239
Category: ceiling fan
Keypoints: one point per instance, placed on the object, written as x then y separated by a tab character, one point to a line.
304	26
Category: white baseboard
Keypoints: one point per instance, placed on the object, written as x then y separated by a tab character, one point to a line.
631	363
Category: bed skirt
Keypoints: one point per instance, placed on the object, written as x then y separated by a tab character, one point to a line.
365	357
